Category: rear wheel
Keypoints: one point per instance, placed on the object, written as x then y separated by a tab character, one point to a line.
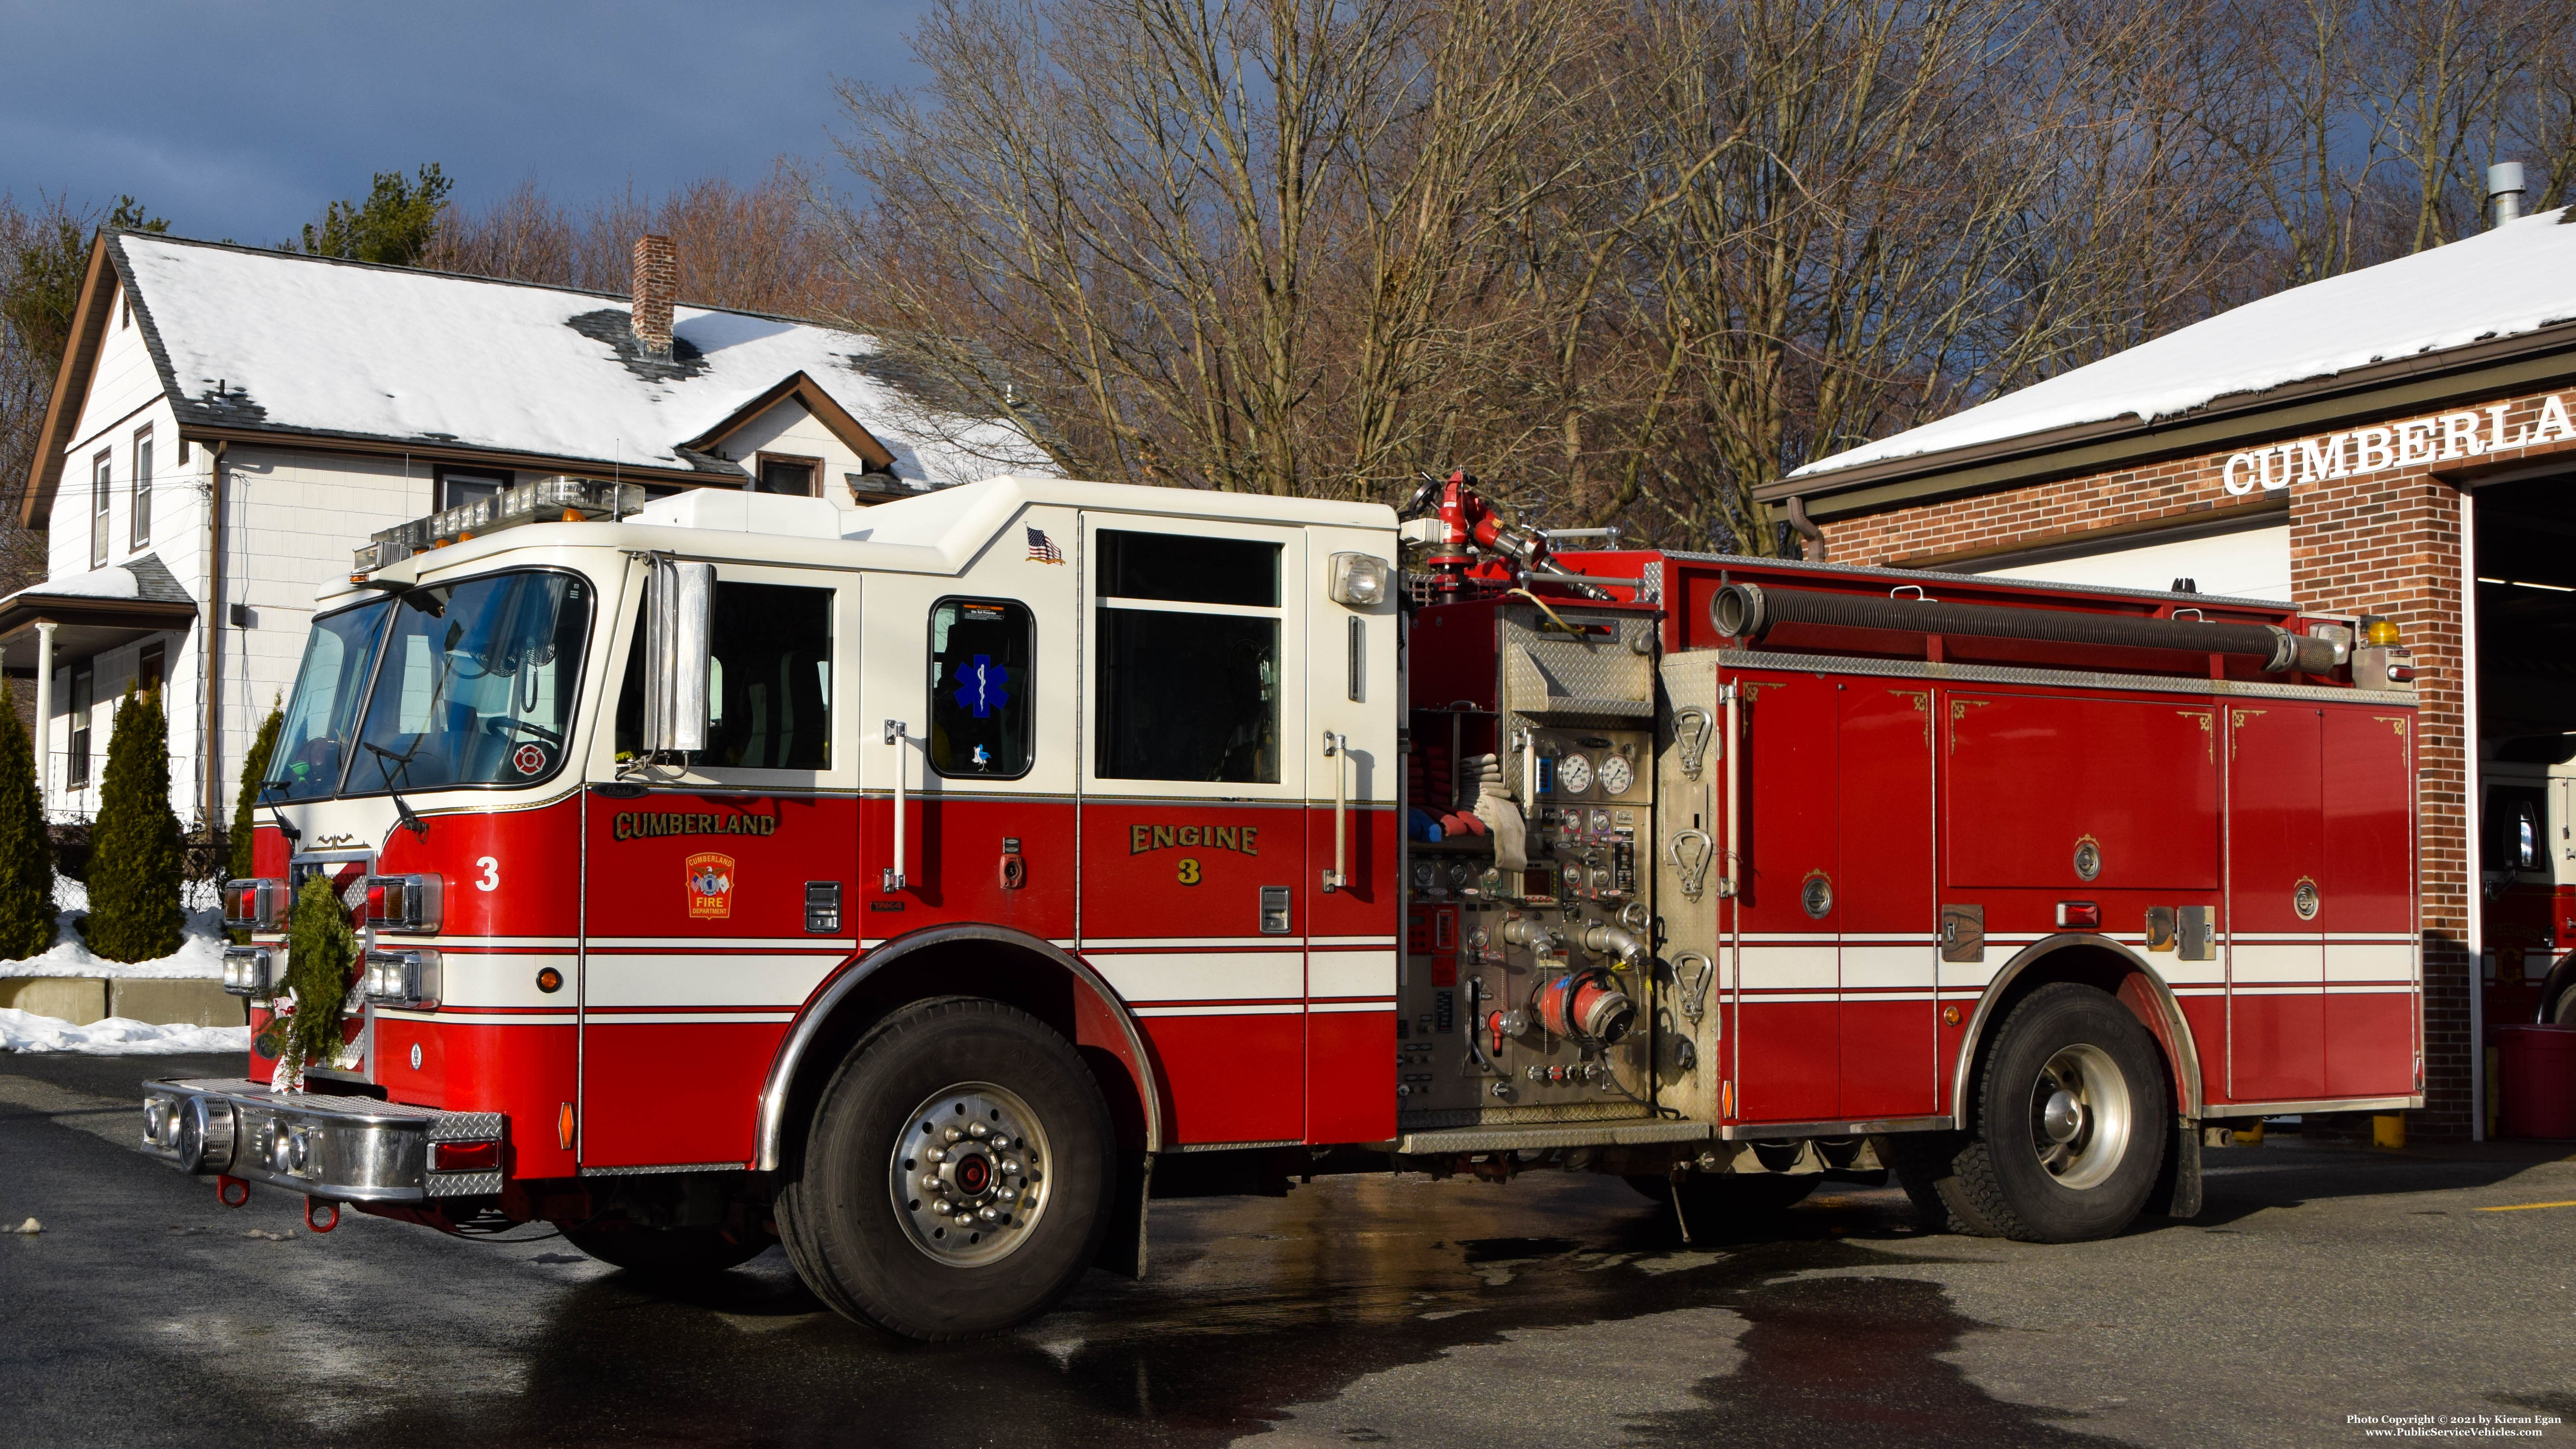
2071	1122
956	1176
1924	1162
671	1252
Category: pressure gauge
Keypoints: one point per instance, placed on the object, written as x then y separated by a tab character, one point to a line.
1574	774
1573	875
1601	818
1422	875
1616	775
1461	874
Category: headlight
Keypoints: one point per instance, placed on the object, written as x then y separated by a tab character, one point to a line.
250	970
1359	580
402	978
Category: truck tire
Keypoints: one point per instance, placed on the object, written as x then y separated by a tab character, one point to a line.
957	1175
2071	1120
665	1252
1927	1167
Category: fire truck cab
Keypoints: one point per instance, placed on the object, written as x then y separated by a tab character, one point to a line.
929	886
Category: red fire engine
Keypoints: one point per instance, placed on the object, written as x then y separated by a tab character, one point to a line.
929	887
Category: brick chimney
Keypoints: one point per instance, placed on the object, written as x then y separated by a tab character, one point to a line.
654	287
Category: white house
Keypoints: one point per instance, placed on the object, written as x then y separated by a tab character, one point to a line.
229	423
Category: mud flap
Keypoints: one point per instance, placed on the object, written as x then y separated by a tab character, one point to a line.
2177	1190
1122	1248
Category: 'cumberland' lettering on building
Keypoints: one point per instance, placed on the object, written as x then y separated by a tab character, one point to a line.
2443	438
1244	838
644	824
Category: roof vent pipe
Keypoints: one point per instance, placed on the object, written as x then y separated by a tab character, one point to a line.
654	286
2504	191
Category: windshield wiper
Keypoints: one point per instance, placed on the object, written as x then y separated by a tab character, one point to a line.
290	832
410	821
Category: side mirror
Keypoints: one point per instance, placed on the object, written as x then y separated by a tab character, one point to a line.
679	603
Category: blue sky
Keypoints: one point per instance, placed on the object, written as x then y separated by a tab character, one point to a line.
242	119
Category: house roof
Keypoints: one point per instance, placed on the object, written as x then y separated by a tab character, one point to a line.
253	343
2515	282
93	611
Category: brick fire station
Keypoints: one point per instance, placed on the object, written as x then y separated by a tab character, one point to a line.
2394	442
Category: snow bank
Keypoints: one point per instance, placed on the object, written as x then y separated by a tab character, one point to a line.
24	1031
2501	283
200	956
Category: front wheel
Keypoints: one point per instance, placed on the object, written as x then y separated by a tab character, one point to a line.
2071	1122
957	1175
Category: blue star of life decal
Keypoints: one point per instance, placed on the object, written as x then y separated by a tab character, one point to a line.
981	686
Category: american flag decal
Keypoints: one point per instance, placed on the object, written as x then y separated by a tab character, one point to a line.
1042	549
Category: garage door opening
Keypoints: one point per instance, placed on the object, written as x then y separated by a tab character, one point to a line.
2525	683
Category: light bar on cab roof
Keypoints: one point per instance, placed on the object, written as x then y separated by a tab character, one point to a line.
548	500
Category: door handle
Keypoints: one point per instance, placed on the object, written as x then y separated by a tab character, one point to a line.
1337	748
896	732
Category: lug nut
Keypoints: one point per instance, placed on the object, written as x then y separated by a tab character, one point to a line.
934	1155
980	1130
951	1135
999	1143
933	1182
942	1208
1008	1194
990	1215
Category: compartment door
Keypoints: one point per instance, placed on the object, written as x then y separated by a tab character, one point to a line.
2276	956
1787	978
1885	901
2368	907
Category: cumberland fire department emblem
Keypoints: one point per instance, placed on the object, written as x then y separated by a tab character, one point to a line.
710	887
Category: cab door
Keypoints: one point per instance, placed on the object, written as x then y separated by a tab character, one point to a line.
1197	770
716	890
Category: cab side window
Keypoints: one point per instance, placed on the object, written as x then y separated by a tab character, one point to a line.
979	688
769	684
1188	693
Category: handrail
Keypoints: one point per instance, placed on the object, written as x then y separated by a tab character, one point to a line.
896	732
1337	748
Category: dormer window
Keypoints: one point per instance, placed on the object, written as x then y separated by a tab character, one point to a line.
789	475
461	486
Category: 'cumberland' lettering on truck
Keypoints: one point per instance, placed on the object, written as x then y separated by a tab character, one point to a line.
641	824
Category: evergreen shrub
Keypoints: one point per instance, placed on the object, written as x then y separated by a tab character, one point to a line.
137	858
26	847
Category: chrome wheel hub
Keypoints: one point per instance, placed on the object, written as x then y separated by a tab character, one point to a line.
968	1174
2080	1116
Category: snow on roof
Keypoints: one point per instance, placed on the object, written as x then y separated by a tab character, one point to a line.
307	344
2514	279
144	577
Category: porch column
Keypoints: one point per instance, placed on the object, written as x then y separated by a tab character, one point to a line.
44	731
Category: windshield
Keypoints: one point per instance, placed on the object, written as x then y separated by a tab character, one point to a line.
476	687
327	688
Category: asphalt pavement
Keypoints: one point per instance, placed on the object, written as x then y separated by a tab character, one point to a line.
2320	1285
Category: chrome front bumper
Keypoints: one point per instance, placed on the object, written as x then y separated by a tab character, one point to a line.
351	1149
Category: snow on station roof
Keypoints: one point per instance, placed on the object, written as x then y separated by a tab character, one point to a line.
273	341
2514	280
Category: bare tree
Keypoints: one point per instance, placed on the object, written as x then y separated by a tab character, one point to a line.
1230	246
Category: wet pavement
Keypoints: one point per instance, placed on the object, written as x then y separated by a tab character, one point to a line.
1554	1310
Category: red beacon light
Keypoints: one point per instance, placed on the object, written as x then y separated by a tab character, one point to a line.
2079	915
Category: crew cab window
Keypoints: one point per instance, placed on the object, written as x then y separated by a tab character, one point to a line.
769	680
2517	829
1188	693
979	688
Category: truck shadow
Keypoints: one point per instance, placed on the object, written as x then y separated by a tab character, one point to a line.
1257	1312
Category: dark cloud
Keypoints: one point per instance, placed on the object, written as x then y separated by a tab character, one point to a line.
241	120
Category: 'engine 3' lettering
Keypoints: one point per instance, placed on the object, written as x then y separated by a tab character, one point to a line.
1242	838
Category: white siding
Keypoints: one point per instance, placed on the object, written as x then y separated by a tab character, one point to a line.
2252	564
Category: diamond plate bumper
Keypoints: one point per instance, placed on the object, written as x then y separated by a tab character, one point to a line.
349	1149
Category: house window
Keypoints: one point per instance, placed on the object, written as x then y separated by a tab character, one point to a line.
141	530
460	488
76	768
150	667
792	476
124	308
99	469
